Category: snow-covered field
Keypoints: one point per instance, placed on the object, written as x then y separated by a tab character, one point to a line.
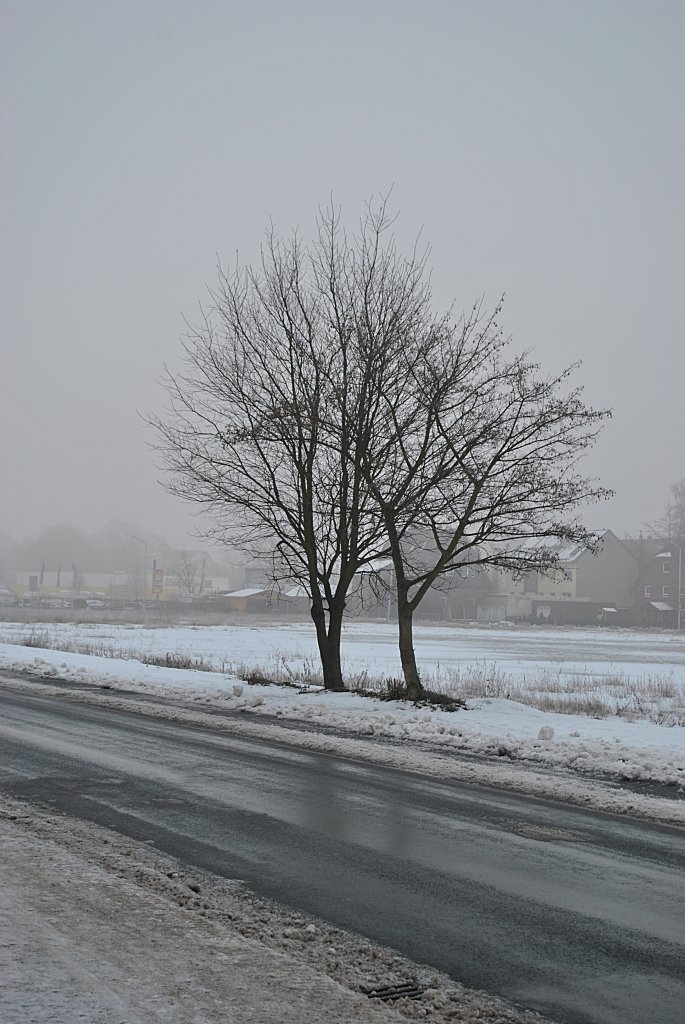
372	647
635	674
519	662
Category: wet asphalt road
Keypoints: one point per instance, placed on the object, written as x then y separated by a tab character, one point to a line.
576	914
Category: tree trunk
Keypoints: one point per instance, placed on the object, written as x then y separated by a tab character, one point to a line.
328	639
405	618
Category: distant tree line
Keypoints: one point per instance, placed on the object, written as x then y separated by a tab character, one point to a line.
112	547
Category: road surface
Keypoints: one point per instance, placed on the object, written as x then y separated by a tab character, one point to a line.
573	913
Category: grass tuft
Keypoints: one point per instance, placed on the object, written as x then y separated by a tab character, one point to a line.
396	689
176	659
37	638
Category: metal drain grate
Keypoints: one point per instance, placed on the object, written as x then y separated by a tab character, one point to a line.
388	993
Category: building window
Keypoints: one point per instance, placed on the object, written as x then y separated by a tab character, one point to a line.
666	565
666	592
648	591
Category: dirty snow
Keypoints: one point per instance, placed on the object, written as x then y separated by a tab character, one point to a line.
98	928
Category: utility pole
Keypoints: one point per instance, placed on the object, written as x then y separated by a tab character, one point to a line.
680	586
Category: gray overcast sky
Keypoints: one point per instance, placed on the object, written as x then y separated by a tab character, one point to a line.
539	145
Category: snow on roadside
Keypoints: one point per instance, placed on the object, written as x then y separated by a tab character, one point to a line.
507	733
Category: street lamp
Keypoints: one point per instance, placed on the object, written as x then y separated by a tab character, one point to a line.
144	543
680	586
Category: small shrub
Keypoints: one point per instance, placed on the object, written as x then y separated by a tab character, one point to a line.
444	700
395	689
593	707
257	677
176	659
37	638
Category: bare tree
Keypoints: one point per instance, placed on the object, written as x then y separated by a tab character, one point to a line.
8	560
327	415
476	465
270	420
190	571
671	524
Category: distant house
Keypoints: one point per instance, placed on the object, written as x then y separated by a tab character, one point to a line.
248	599
659	593
454	596
608	577
586	589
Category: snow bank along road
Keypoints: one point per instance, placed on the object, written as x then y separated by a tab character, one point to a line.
573	913
643	745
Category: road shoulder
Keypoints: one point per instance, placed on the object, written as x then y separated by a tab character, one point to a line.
98	928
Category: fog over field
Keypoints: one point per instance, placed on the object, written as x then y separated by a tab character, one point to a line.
537	147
